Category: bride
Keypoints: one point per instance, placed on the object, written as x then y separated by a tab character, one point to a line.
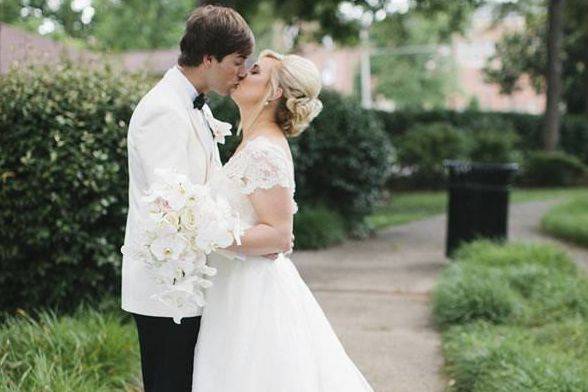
262	330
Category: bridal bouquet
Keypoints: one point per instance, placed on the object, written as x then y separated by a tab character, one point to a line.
186	222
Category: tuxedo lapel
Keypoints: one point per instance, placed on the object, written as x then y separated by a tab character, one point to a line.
203	133
201	129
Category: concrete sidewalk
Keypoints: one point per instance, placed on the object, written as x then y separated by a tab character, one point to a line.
376	295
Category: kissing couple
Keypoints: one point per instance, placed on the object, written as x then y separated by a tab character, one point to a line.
261	329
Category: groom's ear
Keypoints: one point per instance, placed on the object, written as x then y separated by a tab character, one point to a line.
207	60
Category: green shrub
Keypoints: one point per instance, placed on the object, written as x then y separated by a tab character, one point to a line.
343	160
493	145
63	195
422	150
88	351
568	221
553	169
317	227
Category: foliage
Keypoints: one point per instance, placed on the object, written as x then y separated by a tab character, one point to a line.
317	227
524	53
416	77
513	318
553	169
88	351
493	145
482	357
63	195
574	132
343	160
422	150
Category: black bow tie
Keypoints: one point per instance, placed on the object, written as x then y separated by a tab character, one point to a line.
199	101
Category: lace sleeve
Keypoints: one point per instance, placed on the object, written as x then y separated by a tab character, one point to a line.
266	166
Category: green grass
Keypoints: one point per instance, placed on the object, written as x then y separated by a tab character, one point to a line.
569	221
406	207
481	357
513	318
87	351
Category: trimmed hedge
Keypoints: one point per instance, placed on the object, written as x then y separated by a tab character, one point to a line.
574	129
553	169
63	195
424	147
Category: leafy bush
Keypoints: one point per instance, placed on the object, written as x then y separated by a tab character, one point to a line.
63	169
568	221
317	227
423	148
493	145
553	169
87	351
343	160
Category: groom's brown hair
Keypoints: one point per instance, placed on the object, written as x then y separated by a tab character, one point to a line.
217	31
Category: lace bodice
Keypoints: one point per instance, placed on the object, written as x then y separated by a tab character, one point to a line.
260	164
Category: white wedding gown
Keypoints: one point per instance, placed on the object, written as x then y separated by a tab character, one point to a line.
262	330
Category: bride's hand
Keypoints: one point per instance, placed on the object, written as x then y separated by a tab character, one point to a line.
274	256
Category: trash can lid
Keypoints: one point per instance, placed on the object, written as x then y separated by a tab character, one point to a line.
466	166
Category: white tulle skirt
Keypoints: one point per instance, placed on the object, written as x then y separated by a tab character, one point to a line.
263	331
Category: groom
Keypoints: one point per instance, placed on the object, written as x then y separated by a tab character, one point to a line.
168	130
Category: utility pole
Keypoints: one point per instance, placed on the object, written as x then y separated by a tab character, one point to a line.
366	80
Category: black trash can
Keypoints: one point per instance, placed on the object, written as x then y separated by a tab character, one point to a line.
478	201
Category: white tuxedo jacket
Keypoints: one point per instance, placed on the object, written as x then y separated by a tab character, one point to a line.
165	132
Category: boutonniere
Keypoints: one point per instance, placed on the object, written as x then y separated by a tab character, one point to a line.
220	129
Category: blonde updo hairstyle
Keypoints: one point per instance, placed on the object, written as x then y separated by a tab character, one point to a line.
300	82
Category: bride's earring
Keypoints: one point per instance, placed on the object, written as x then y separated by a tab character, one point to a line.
266	103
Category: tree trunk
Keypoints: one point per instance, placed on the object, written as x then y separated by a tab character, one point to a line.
554	70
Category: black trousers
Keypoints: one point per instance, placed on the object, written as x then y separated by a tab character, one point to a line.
167	352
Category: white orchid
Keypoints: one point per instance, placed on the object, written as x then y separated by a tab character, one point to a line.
168	247
185	224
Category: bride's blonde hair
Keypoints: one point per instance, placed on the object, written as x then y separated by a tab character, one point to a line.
300	82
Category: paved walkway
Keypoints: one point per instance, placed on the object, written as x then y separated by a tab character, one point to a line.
376	295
